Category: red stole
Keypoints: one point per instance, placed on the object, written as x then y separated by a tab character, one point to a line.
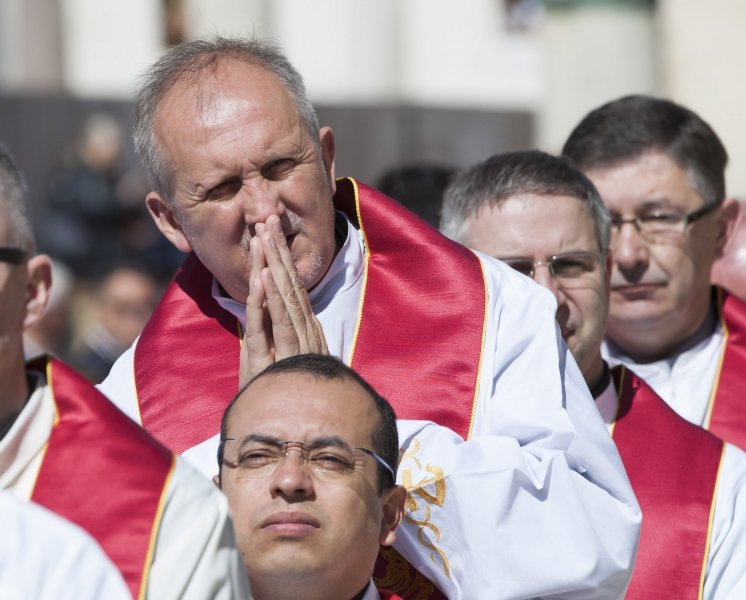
673	467
103	472
419	338
728	403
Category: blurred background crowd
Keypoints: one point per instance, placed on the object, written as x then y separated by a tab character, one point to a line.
414	89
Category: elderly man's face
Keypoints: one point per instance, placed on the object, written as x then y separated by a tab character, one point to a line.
238	153
301	522
534	227
665	285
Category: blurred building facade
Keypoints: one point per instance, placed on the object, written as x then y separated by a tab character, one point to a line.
399	80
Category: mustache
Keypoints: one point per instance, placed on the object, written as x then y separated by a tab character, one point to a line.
291	224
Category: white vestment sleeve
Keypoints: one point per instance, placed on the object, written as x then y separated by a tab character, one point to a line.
45	557
536	503
119	385
725	576
195	553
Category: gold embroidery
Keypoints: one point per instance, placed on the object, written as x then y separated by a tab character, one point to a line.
402	579
415	490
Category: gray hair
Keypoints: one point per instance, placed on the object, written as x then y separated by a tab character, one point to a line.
191	59
13	203
503	176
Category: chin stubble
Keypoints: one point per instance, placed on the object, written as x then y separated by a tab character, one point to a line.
295	224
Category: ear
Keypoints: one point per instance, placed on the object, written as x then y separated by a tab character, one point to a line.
393	505
328	152
216	481
731	212
166	220
38	287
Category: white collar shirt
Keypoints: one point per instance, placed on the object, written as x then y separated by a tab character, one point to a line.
684	380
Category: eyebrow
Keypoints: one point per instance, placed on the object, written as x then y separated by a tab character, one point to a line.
332	441
661	202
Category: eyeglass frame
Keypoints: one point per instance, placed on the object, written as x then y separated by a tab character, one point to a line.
549	263
686	220
303	455
13	256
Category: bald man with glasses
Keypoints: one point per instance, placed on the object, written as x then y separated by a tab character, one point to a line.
543	217
311	513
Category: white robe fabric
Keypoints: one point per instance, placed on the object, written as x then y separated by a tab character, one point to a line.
683	380
45	557
725	571
195	554
536	503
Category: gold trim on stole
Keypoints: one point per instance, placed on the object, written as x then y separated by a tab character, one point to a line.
366	262
55	421
481	348
154	532
709	524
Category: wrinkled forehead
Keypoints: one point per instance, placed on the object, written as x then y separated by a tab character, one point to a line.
218	86
299	406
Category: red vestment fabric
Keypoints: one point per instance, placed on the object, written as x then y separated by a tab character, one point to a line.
673	467
419	339
101	471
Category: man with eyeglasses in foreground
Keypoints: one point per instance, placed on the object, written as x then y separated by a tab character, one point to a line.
660	170
307	458
65	447
543	217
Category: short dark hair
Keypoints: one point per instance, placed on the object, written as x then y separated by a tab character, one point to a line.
626	128
319	366
503	176
14	208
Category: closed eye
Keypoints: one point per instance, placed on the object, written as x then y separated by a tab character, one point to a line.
329	460
224	190
277	169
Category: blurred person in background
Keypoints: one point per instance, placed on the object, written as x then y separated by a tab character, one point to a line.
121	305
660	170
545	219
94	216
418	186
54	332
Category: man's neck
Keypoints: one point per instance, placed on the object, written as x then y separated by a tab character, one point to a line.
14	391
647	344
598	384
310	588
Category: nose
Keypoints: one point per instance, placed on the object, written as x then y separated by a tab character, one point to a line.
631	251
258	200
543	276
292	479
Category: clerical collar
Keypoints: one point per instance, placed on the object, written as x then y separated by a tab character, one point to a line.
600	386
32	382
